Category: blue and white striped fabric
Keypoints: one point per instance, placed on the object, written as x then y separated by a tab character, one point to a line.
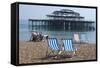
52	43
68	46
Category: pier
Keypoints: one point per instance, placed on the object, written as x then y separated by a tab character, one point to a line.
63	19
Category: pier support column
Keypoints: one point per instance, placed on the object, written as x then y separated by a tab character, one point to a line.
64	25
32	25
29	24
69	26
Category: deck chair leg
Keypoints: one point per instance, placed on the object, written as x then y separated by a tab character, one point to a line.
74	53
51	52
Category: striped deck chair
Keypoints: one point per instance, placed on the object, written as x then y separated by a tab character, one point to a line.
53	44
68	46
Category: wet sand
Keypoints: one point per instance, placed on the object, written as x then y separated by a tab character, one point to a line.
32	52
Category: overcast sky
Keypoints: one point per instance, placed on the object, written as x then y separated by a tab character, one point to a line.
40	12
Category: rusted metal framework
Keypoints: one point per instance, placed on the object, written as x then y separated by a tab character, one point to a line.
63	19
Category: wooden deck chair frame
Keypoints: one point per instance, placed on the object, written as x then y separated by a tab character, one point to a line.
52	50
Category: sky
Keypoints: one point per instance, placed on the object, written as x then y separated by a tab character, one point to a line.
39	12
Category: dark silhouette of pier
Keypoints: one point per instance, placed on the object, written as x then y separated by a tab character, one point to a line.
63	19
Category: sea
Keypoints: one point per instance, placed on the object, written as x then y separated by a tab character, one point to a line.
25	33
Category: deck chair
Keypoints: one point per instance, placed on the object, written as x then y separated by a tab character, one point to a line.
83	38
53	45
76	38
68	46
